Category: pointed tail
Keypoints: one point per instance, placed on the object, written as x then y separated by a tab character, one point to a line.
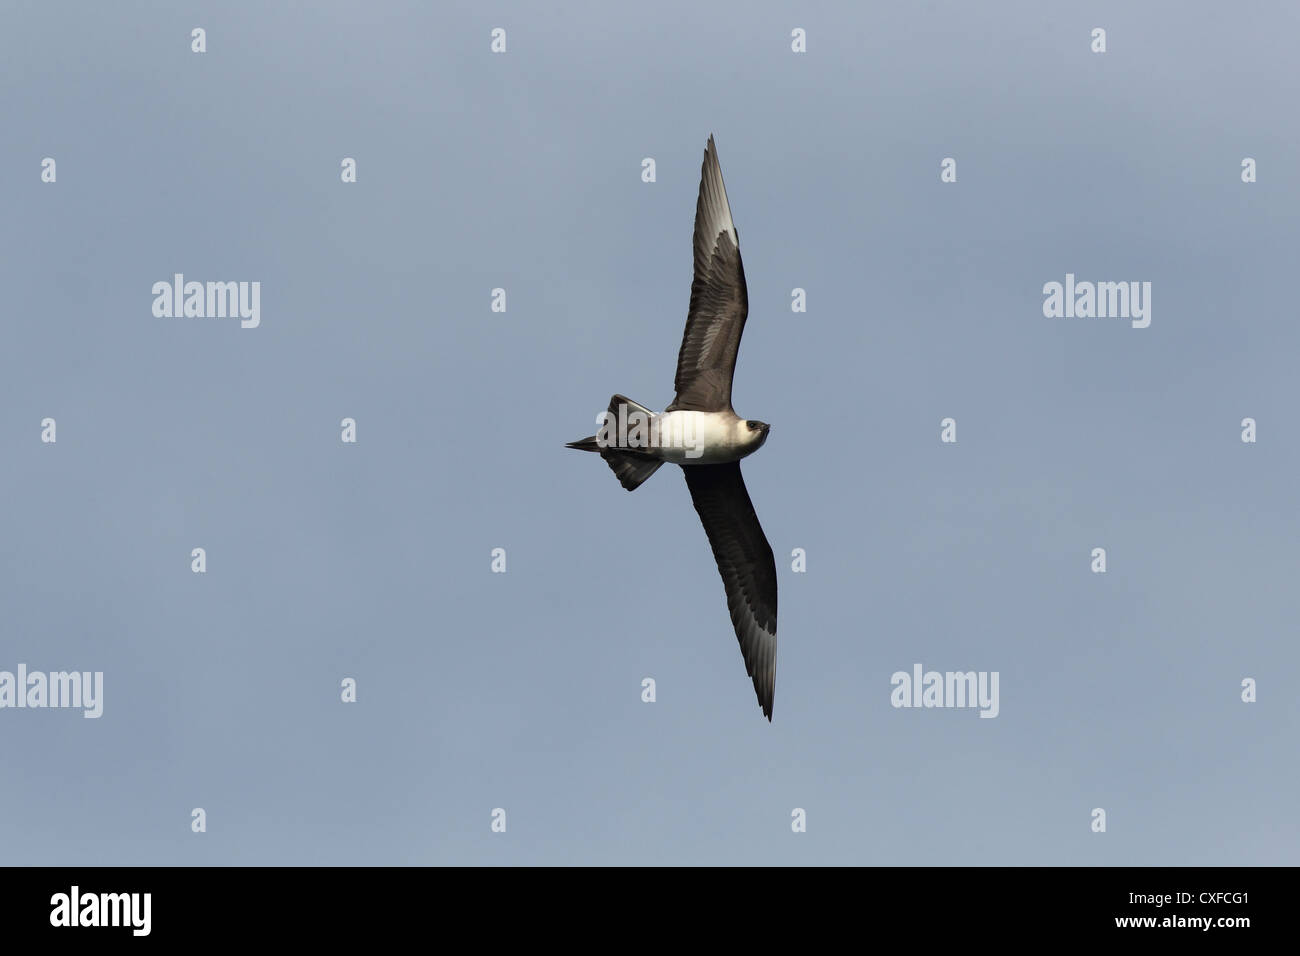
631	468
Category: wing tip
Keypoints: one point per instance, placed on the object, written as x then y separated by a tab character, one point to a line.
765	689
713	197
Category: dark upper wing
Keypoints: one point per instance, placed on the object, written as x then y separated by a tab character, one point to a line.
719	302
745	561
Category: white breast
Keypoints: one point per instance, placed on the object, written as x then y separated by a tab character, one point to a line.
701	438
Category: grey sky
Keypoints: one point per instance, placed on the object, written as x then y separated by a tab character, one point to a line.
522	690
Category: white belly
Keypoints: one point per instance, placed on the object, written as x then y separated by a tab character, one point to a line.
700	438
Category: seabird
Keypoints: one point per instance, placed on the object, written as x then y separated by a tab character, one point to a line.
702	433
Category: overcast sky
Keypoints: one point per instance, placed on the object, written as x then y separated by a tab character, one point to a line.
523	171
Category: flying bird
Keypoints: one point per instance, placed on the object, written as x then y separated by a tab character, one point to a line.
701	432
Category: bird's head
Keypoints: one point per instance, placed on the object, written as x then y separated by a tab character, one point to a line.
757	431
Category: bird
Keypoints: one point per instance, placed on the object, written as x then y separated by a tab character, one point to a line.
701	432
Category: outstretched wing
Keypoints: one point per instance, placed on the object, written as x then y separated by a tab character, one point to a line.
746	564
719	300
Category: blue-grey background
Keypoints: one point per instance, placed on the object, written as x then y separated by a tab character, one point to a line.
522	690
